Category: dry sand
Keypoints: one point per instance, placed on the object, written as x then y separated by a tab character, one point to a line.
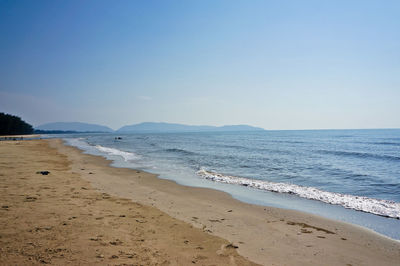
32	226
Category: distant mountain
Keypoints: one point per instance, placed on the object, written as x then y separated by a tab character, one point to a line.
238	128
74	126
147	127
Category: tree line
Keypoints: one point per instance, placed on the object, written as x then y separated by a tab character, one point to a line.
13	125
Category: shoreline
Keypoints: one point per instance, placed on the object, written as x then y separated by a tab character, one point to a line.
245	225
234	195
19	137
50	215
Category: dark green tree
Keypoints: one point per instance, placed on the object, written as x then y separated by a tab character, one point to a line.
13	125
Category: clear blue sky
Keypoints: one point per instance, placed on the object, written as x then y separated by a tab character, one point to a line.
273	64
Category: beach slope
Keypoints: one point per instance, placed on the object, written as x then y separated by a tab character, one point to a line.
59	218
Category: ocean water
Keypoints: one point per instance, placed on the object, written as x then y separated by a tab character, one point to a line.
348	175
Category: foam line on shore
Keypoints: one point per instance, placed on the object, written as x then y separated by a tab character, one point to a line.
375	206
128	156
82	144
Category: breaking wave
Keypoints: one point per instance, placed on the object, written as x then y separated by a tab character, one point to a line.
127	156
376	206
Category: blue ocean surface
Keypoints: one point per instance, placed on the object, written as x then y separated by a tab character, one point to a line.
348	175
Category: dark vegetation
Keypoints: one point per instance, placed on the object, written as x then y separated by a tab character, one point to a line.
13	125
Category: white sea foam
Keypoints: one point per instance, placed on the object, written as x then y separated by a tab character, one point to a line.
128	156
82	144
77	142
365	204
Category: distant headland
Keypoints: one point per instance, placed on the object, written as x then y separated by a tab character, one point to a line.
146	127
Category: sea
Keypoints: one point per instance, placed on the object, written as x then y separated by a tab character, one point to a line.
347	175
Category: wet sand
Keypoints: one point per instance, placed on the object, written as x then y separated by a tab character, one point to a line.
264	235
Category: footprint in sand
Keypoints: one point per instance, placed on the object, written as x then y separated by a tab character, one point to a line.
304	226
117	242
30	199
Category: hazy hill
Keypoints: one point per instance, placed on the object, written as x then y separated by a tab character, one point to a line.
74	126
168	127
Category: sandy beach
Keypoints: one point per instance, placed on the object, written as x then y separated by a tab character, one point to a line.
86	212
60	219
